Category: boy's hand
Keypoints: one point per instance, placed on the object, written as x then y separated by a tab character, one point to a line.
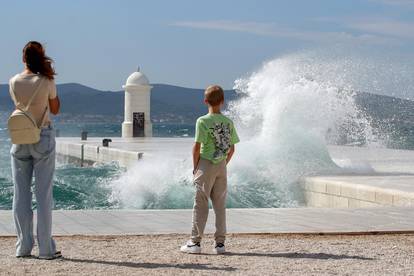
196	156
230	154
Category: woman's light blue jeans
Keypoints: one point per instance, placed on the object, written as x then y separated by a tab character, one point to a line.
38	160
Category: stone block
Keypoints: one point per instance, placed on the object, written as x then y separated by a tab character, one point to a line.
315	185
383	198
340	202
349	191
365	194
354	203
333	188
402	201
318	200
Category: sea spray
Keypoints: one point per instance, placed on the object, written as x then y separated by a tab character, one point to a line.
6	184
287	113
162	181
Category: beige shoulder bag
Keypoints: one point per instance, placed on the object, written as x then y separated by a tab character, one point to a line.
22	126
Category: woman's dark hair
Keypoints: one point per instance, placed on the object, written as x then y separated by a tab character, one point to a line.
36	60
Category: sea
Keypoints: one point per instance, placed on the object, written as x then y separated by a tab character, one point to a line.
75	187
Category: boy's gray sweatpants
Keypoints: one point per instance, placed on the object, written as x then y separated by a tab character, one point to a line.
37	159
210	181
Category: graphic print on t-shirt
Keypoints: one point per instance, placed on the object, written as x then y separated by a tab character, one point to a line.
221	134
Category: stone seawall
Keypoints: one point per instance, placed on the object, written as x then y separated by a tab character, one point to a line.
359	191
84	154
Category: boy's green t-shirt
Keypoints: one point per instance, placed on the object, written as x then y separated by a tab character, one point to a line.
216	134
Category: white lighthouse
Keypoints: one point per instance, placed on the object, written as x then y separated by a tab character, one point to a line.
137	119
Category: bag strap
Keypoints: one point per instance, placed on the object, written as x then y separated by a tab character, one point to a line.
43	117
26	108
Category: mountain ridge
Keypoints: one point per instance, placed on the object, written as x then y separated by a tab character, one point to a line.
170	103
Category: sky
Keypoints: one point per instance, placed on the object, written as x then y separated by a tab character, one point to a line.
194	43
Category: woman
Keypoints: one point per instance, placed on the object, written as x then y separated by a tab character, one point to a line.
35	159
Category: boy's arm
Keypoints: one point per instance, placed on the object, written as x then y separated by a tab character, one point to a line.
196	156
230	154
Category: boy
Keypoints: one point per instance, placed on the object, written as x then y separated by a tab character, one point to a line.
213	149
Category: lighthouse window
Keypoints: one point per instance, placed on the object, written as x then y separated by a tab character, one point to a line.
139	124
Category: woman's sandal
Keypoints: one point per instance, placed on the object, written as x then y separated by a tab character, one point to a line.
25	256
55	256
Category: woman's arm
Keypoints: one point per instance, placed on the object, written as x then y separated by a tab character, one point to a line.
54	105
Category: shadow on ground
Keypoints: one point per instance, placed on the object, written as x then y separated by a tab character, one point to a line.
151	265
295	255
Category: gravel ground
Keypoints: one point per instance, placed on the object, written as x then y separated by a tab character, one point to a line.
248	255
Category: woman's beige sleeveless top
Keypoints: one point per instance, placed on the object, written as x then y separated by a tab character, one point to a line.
24	85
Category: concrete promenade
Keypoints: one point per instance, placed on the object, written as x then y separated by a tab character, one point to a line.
290	220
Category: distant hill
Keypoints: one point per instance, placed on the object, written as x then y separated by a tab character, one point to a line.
168	103
386	108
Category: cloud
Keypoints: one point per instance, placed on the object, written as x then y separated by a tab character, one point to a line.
374	25
406	3
257	28
385	27
274	30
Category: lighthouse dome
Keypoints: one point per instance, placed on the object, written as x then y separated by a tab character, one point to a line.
137	79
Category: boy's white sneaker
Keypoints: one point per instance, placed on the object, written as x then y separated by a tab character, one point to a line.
191	248
220	248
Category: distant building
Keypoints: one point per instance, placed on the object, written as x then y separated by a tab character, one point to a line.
137	117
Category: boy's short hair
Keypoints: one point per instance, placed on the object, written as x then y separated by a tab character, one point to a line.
214	95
